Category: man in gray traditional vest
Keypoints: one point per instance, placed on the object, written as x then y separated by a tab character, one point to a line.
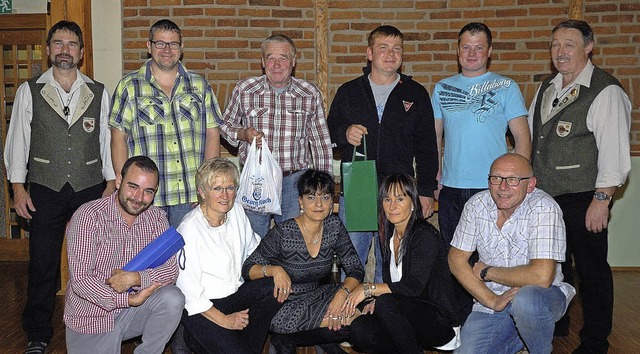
58	140
580	122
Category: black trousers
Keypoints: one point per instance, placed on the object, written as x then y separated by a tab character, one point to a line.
588	251
400	324
203	336
46	232
323	337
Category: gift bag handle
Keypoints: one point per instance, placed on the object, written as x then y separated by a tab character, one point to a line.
364	142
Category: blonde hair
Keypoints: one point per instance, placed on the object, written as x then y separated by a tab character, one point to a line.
213	168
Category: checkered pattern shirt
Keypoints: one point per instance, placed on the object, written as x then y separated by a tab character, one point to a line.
169	130
534	231
99	241
293	122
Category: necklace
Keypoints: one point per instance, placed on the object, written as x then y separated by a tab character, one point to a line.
206	217
557	102
65	109
318	234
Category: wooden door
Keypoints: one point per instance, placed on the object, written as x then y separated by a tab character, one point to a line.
23	55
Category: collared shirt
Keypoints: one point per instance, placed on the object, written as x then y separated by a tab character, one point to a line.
18	144
293	122
609	119
535	230
214	257
99	241
169	130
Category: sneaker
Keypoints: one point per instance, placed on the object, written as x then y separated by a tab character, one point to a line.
36	348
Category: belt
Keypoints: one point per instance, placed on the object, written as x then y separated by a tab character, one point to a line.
289	173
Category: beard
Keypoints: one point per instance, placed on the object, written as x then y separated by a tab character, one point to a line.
130	206
70	63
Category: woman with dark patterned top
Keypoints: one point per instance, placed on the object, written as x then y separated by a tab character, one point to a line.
298	254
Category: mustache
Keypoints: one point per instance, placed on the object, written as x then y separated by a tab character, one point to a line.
562	58
65	56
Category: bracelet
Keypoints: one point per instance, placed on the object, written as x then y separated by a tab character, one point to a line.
264	270
368	290
346	290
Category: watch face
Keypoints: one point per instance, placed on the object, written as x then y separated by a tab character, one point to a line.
601	196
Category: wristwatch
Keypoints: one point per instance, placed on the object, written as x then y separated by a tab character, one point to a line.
483	274
602	196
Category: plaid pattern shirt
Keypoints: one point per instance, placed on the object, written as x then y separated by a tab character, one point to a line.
293	122
534	231
171	131
99	241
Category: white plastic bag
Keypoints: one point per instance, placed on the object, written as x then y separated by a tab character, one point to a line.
260	182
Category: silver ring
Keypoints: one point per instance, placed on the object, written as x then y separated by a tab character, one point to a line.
335	317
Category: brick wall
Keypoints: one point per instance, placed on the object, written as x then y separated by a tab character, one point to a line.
222	37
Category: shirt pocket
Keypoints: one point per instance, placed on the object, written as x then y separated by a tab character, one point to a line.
188	106
151	110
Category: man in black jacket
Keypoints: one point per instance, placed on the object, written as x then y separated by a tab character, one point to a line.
396	115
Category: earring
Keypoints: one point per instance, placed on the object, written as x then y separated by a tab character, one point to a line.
412	208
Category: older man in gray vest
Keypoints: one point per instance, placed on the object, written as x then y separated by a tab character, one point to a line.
58	141
580	121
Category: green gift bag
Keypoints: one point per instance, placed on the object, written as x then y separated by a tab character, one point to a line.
360	186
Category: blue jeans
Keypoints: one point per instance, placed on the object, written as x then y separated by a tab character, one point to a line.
175	213
361	242
450	205
531	315
290	207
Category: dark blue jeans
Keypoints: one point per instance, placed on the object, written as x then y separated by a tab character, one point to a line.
204	336
450	206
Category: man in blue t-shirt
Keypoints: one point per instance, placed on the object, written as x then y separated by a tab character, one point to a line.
473	110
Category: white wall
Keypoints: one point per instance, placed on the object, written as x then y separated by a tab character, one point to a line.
624	228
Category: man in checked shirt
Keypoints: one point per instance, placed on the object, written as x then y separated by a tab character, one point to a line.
169	113
286	111
103	235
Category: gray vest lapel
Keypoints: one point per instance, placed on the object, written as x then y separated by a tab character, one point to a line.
52	98
85	99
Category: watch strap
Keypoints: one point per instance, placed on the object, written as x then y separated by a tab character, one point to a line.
483	273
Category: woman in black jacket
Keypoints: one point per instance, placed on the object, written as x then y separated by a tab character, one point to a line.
412	309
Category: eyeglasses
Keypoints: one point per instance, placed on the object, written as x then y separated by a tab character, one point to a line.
511	181
162	45
220	190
